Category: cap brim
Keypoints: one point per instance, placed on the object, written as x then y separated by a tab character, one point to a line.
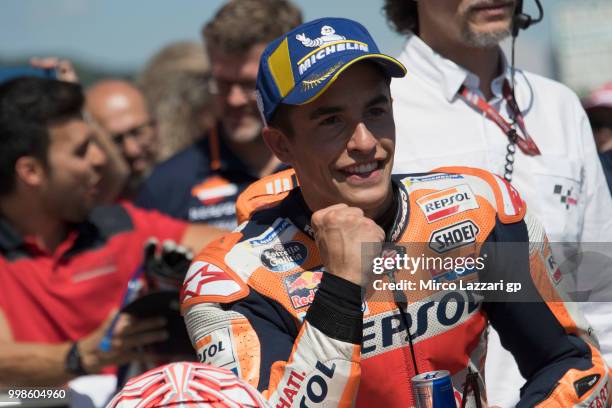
327	75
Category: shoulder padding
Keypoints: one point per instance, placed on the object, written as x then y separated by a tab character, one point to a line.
209	279
507	201
265	193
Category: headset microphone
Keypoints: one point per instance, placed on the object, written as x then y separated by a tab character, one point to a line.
522	21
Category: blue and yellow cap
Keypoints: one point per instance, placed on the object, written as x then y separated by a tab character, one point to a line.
299	66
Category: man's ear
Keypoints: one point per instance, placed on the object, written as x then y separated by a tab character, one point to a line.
278	142
29	171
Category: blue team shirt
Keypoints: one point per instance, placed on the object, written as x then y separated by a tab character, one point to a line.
187	187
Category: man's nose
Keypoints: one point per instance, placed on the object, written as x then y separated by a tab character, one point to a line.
237	96
362	139
97	156
132	147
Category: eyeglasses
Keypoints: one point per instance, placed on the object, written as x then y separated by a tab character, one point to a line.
224	87
139	132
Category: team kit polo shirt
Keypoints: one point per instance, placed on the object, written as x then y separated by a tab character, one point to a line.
199	184
65	295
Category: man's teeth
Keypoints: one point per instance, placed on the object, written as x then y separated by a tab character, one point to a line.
363	168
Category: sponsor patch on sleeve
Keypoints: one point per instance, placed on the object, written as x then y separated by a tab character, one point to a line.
216	348
206	282
301	287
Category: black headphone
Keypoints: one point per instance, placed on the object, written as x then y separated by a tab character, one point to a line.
522	21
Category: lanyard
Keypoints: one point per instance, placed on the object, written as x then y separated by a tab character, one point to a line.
213	145
525	142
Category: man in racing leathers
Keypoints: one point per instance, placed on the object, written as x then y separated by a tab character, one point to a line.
279	301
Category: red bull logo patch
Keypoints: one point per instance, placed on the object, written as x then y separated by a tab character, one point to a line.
301	287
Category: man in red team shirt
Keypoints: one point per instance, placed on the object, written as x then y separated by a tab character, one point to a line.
64	265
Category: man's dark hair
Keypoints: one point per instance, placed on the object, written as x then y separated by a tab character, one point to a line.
281	121
28	106
241	24
402	15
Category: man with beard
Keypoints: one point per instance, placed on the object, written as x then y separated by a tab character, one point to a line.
120	110
202	182
534	133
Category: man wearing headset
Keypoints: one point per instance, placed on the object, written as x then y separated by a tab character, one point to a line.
279	300
458	107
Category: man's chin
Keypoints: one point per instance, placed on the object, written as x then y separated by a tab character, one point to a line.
489	37
78	215
368	200
242	133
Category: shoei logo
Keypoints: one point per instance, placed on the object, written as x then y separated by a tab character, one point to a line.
328	43
284	257
454	236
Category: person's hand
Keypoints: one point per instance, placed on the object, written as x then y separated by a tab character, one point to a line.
63	68
129	336
339	232
116	172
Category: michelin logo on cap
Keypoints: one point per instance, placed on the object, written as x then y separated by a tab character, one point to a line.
328	34
329	43
297	67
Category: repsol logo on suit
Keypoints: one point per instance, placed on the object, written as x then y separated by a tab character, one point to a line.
211	351
387	331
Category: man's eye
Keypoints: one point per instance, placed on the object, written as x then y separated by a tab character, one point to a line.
330	120
377	112
82	150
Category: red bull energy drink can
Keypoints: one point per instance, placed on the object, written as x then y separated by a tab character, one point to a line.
433	389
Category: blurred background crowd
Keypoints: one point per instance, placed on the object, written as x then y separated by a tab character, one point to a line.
167	88
159	49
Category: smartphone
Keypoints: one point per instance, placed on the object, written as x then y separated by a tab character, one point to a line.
8	73
166	304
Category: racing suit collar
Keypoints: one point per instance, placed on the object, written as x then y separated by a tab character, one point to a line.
294	208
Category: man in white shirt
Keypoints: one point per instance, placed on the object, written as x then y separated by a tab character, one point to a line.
456	73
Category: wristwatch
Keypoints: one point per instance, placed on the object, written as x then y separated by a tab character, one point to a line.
73	363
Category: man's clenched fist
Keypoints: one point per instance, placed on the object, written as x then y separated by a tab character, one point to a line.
339	232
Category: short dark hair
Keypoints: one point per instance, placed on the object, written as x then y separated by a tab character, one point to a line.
241	24
281	121
402	15
28	106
